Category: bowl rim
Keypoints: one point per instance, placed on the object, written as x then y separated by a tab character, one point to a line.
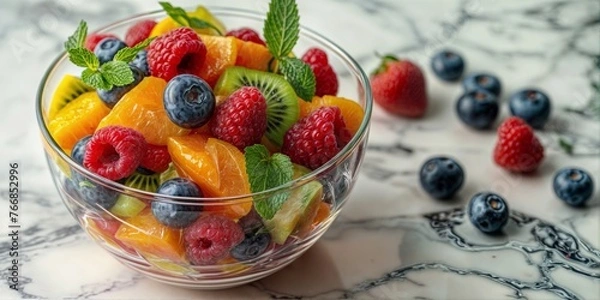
362	133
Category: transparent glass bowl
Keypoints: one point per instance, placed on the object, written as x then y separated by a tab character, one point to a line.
158	261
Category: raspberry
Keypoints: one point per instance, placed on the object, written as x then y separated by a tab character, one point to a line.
316	138
246	34
178	52
93	39
327	81
242	119
139	32
114	152
210	238
518	149
156	158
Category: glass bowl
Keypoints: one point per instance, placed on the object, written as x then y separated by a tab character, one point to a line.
157	251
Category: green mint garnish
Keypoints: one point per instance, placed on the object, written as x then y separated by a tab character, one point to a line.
180	16
281	31
266	172
565	145
300	77
104	77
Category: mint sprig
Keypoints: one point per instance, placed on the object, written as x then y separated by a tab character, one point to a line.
281	31
104	77
266	172
180	16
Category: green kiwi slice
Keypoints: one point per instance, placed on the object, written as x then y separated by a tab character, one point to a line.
69	88
128	206
282	102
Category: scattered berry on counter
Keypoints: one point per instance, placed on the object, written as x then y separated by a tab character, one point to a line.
488	212
441	177
531	105
448	65
478	109
484	81
517	148
574	186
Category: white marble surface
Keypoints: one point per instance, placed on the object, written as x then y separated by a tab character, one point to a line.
384	245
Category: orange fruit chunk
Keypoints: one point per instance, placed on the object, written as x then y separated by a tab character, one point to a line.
146	235
323	212
142	109
352	112
192	161
221	53
77	119
252	55
167	24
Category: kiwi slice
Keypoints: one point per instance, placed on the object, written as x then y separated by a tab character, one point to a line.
170	173
69	88
128	206
282	102
298	211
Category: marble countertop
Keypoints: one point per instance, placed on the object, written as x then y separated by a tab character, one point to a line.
391	241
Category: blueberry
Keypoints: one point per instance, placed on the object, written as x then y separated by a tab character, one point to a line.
574	186
478	109
448	65
78	151
441	177
141	62
107	48
256	240
112	96
172	214
532	106
189	101
484	81
488	212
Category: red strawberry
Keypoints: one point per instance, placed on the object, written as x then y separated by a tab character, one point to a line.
518	149
399	87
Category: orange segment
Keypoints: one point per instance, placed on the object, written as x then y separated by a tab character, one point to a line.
323	212
352	112
307	107
221	53
192	161
234	180
167	24
146	235
77	119
142	109
252	55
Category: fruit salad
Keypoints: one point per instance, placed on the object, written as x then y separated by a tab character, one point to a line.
197	114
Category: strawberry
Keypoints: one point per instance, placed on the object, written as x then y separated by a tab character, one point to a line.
399	87
518	149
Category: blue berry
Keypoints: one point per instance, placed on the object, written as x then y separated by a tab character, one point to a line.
448	65
177	215
441	177
532	106
484	81
107	48
78	151
189	101
574	186
488	212
112	96
478	109
256	240
141	62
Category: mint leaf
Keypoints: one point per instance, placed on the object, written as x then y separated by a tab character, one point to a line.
94	79
300	76
565	145
180	16
117	73
127	54
282	27
266	172
84	58
77	40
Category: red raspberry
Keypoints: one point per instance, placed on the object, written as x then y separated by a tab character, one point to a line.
210	238
246	34
316	138
93	39
114	152
178	52
242	119
518	149
156	158
139	32
327	81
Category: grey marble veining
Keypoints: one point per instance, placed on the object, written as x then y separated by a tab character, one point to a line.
391	241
